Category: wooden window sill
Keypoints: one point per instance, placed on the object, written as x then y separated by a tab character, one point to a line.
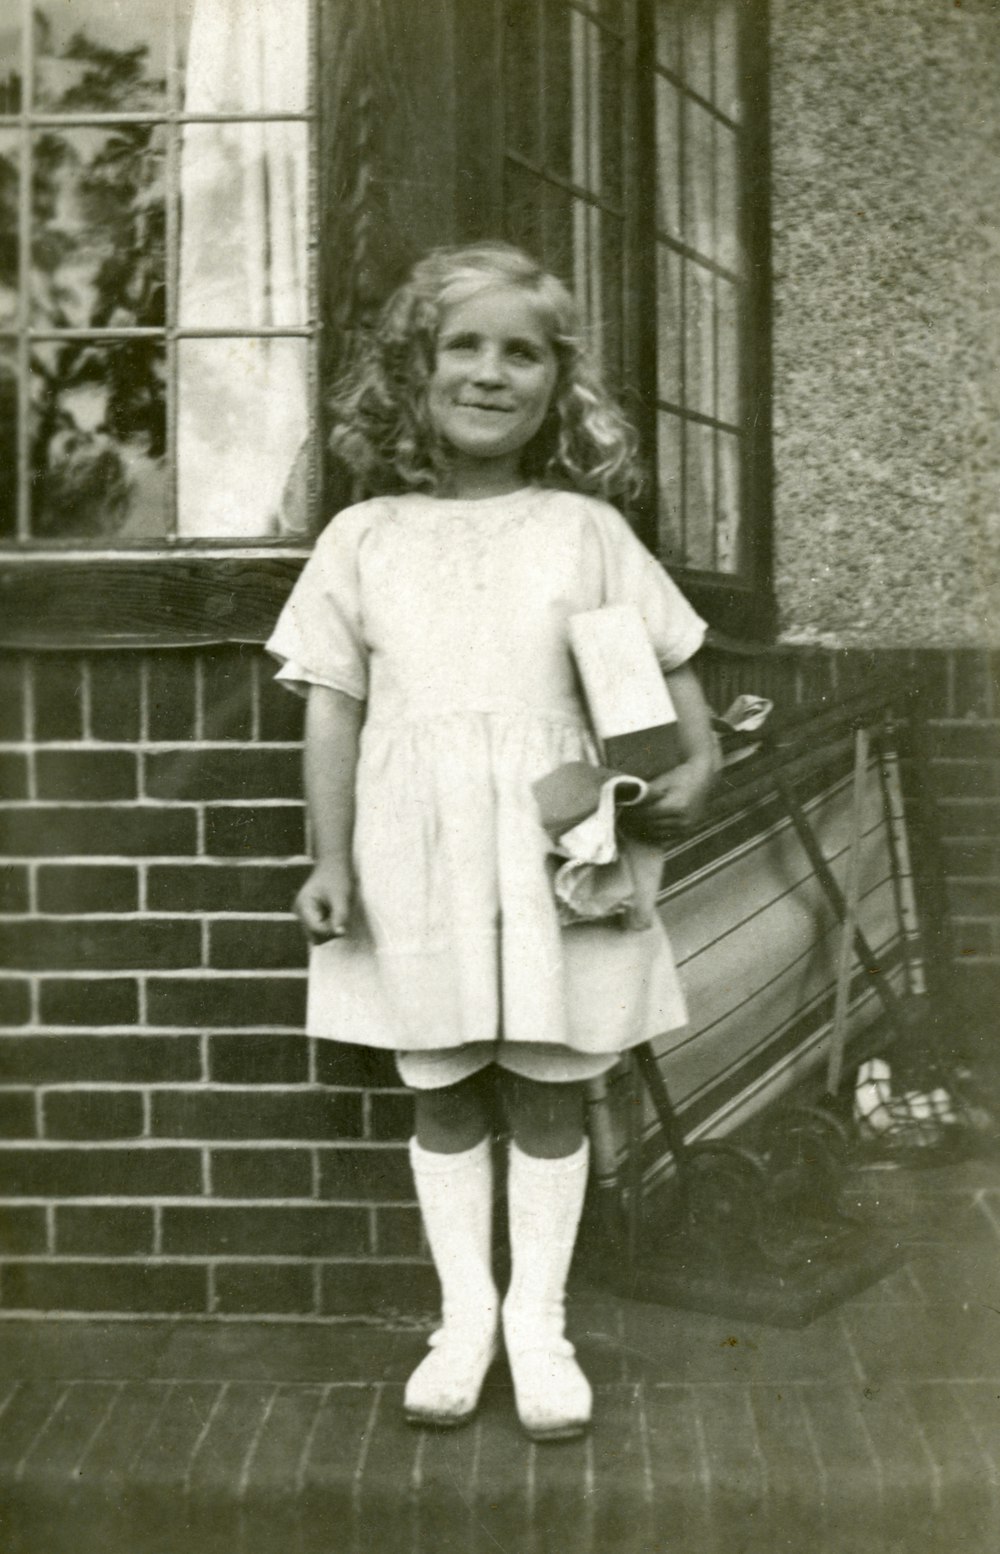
158	598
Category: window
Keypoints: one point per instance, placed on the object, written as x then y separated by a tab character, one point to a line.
157	304
199	199
631	160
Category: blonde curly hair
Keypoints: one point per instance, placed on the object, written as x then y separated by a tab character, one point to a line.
381	427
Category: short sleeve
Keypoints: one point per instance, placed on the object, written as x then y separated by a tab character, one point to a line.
319	636
633	576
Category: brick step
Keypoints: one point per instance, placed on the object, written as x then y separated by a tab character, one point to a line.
873	1429
245	1467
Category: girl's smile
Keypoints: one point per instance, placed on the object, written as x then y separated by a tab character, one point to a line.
491	387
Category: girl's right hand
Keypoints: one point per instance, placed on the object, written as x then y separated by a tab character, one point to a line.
324	903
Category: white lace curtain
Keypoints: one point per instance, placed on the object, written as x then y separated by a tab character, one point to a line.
243	402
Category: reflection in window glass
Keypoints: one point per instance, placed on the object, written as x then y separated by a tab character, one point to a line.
100	55
242	437
668	39
244	232
699	496
729	534
696	30
670	505
98	234
699	200
585	78
557	86
522	59
560	229
10	63
727	197
522	207
103	400
699	345
668	159
728	97
669	326
612	97
727	345
611	344
9	248
98	440
588	271
8	439
246	57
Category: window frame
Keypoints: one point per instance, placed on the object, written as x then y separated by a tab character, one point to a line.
738	606
164	590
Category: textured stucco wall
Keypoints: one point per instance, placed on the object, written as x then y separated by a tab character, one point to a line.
886	226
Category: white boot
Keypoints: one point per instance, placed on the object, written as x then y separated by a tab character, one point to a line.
545	1199
455	1193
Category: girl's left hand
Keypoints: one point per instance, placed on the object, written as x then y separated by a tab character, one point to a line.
674	805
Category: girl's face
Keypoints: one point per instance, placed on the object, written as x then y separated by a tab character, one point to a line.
494	373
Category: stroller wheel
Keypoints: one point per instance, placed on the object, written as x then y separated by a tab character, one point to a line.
724	1190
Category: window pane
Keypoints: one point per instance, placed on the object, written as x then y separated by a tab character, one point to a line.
10	65
611	316
699	201
558	66
727	337
607	11
522	60
98	432
244	236
100	55
586	95
597	281
560	229
729	546
8	439
728	96
668	333
668	159
98	238
668	35
726	200
699	350
522	206
9	248
241	57
699	496
243	421
670	506
696	30
611	120
588	273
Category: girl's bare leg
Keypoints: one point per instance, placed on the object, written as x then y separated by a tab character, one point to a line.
546	1120
454	1118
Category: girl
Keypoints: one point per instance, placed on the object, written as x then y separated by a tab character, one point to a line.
429	628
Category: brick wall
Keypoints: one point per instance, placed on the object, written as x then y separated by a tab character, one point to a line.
170	1142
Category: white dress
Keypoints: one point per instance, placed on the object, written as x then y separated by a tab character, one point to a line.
448	617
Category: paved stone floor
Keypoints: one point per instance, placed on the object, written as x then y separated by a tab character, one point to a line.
875	1430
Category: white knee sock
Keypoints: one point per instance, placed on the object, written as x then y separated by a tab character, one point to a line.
545	1201
455	1193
